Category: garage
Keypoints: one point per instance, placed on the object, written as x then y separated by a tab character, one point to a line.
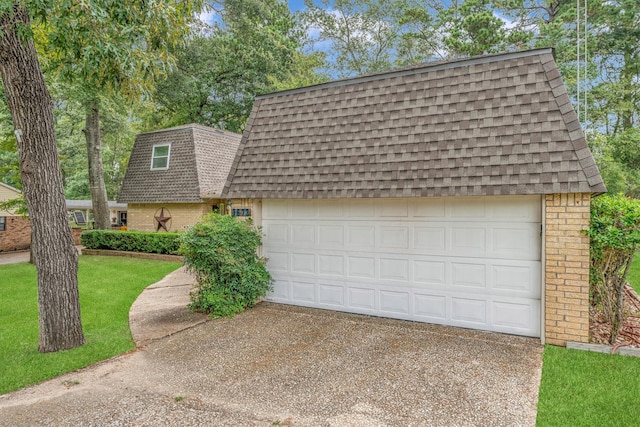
472	262
451	192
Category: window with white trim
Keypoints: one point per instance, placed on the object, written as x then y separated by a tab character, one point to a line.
160	156
3	223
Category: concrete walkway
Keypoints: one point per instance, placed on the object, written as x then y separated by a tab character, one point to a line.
15	257
161	309
284	365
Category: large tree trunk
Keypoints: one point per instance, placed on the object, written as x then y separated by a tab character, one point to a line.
101	216
56	257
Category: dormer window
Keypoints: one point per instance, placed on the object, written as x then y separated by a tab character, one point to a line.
160	156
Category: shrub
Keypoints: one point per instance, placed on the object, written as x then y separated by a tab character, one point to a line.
615	235
221	252
133	241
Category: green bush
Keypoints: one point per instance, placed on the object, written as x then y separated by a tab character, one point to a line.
221	252
132	241
615	236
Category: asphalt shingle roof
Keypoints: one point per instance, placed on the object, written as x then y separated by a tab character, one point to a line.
199	163
492	125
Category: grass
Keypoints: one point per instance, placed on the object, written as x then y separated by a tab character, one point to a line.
107	285
634	273
581	388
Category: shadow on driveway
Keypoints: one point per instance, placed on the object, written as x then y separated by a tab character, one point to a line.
284	365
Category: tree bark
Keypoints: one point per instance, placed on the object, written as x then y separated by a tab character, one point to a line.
56	257
101	215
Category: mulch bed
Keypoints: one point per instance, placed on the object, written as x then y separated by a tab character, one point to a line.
629	334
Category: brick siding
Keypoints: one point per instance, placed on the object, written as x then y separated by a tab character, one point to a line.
566	268
140	217
17	235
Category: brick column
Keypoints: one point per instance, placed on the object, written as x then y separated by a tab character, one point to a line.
566	268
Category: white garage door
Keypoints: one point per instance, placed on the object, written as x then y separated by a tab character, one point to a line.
472	262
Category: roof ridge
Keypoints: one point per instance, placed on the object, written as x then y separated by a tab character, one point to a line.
191	126
413	69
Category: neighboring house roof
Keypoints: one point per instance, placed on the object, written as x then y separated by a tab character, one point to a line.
8	192
493	125
87	204
10	188
199	163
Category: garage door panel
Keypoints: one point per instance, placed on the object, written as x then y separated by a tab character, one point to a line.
278	261
383	258
515	316
394	269
429	272
466	207
430	308
331	236
520	209
429	208
276	209
361	236
361	267
331	295
276	234
515	241
304	292
359	208
303	263
303	209
332	265
430	239
334	210
468	275
393	208
394	302
517	279
280	290
468	240
303	235
393	237
469	312
361	298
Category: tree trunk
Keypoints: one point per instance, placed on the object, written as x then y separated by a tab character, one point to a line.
101	215
56	257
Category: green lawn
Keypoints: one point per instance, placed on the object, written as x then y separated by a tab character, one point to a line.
634	273
581	388
108	286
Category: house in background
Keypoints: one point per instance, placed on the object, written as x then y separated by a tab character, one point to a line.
15	230
451	193
81	213
176	175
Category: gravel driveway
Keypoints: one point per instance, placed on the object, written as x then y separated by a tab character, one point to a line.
284	365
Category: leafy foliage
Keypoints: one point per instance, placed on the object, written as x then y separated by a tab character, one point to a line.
473	28
221	251
132	241
615	236
18	206
223	67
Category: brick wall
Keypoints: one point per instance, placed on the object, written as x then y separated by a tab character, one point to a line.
566	268
140	217
17	235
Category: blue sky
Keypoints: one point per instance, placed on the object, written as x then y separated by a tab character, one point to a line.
295	5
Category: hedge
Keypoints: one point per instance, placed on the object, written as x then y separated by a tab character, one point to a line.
132	241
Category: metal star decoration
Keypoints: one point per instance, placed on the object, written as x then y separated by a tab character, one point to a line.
162	220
